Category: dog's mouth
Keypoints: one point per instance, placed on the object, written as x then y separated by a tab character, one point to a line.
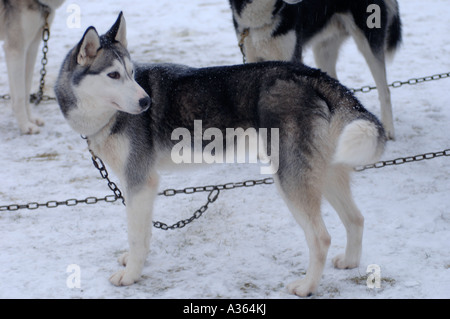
117	106
134	112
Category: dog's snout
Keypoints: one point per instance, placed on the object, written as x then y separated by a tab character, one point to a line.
144	103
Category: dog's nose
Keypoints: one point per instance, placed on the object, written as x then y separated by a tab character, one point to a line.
144	103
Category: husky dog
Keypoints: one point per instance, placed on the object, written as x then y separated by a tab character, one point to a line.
128	113
21	26
282	29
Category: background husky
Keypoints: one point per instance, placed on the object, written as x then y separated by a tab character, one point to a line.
128	114
21	25
281	29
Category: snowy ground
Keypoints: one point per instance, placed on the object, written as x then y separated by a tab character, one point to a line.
247	245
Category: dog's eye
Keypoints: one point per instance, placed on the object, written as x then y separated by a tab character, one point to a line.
114	75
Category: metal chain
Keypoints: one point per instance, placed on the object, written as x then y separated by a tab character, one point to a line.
100	166
214	190
209	188
397	84
39	96
212	197
404	160
53	204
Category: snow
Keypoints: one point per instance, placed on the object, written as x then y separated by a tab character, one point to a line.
246	245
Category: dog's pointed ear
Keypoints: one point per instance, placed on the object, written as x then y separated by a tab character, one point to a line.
88	47
118	31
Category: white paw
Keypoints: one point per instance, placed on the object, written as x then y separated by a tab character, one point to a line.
302	288
389	131
341	262
124	278
29	128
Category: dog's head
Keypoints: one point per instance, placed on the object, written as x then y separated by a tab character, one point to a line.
97	77
107	58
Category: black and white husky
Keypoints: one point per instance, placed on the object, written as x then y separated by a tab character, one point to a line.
282	29
129	113
21	25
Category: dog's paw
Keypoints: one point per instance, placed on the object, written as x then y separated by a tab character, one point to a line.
302	288
29	129
390	135
124	278
341	262
390	132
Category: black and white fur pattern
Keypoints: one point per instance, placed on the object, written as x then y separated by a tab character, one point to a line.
129	112
282	29
21	26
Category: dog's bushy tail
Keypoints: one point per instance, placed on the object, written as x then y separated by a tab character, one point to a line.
357	134
360	143
394	35
394	30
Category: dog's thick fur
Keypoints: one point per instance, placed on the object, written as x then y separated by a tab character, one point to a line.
21	26
129	118
282	29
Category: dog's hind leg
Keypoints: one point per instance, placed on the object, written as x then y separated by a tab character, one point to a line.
326	54
338	194
377	65
304	203
139	219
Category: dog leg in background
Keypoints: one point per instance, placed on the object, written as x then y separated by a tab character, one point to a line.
377	66
21	46
326	54
30	62
15	61
378	69
139	219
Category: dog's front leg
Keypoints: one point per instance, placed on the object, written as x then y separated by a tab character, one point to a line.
15	61
139	201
